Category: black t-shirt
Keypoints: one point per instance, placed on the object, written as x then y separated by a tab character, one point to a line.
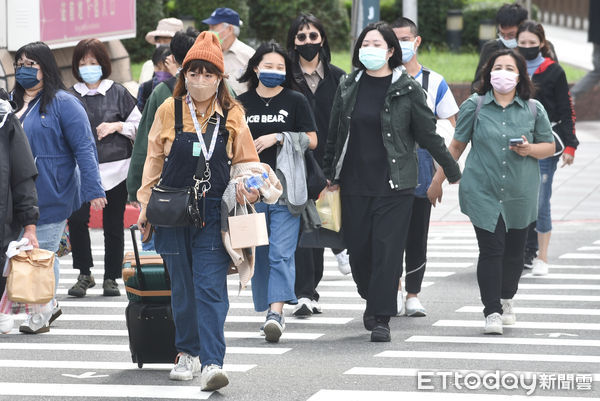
366	170
288	111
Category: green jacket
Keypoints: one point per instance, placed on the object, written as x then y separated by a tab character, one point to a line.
405	118
140	146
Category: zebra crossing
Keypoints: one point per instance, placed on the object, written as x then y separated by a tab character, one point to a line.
86	353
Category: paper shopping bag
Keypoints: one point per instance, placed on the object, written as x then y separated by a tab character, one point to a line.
329	207
31	277
248	230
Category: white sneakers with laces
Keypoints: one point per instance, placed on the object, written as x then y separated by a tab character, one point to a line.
540	268
6	323
185	367
343	262
304	308
493	324
213	377
508	312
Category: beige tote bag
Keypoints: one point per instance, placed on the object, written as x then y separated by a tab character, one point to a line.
248	230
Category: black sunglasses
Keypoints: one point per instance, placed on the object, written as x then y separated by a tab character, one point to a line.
302	36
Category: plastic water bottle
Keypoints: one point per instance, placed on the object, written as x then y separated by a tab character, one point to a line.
255	181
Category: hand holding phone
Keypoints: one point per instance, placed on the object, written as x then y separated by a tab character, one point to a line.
516	141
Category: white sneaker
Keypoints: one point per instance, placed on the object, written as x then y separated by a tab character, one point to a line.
414	308
304	308
213	377
343	262
6	323
185	367
540	268
316	307
400	303
508	312
493	324
36	323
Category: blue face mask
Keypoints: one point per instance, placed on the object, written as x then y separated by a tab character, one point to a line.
373	58
90	73
271	78
510	43
27	77
408	50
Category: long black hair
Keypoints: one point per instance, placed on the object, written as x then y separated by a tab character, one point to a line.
265	48
41	54
304	20
390	38
525	88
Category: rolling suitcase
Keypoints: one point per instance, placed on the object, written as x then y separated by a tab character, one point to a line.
149	316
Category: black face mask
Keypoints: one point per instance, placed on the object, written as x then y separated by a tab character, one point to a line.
530	53
309	50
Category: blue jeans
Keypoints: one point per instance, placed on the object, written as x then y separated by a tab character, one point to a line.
547	169
198	264
48	236
275	267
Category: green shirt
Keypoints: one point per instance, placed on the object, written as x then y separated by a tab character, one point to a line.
140	146
496	180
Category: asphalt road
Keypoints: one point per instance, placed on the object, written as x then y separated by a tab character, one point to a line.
329	357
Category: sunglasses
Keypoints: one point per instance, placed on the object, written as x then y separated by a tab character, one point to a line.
312	36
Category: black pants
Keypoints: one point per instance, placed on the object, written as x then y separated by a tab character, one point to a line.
531	244
416	245
500	264
112	222
309	272
373	229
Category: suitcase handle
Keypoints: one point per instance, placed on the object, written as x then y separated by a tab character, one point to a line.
138	264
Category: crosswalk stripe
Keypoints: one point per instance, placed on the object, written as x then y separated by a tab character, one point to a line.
555	297
589	248
124	333
580	256
529	286
118	391
406	372
29	346
538	311
597	242
503	340
521	325
364	395
492	356
99	365
570	267
561	276
229	319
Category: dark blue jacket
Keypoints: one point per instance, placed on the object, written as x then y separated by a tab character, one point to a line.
65	155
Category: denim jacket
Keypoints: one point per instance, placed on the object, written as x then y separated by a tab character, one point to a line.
65	155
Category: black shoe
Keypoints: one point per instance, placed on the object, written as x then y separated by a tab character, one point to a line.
528	258
381	333
369	321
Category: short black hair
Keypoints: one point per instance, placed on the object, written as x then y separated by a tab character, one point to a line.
266	48
160	54
511	15
525	88
41	54
300	22
390	38
404	22
182	42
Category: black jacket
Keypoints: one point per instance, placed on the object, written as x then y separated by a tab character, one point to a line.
552	90
18	196
594	18
320	102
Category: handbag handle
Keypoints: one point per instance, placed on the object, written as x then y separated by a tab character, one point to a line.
246	203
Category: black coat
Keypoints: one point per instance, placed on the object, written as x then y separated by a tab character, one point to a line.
320	102
18	196
594	18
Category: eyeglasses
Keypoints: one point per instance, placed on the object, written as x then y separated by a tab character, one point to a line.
312	36
25	64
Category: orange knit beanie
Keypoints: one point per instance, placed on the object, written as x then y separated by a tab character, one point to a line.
206	47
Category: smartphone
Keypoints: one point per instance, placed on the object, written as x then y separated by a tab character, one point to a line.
516	141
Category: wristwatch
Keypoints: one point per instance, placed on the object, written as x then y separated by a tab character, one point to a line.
279	138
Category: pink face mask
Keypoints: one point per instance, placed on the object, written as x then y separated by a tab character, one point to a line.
503	81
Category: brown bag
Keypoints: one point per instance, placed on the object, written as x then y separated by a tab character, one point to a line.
248	230
31	277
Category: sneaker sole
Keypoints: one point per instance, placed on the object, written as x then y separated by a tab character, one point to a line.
180	377
380	337
216	382
539	274
273	332
76	295
493	332
304	311
27	330
54	316
111	293
508	321
416	313
316	311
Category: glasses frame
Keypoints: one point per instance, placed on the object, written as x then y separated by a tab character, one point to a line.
25	64
302	37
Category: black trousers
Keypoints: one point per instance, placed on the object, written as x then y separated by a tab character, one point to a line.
531	244
373	229
416	245
309	272
112	222
500	264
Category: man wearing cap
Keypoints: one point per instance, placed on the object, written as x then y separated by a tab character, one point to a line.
226	23
162	35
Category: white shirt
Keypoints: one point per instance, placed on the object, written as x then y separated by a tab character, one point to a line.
442	102
113	173
236	61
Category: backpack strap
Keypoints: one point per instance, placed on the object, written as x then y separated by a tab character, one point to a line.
425	80
532	108
171	83
178	116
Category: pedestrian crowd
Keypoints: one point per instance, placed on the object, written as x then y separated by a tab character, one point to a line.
212	114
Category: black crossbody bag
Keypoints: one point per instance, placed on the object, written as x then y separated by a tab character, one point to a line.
176	207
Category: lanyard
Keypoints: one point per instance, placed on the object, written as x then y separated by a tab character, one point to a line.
207	153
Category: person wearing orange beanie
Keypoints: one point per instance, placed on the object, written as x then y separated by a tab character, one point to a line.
214	127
